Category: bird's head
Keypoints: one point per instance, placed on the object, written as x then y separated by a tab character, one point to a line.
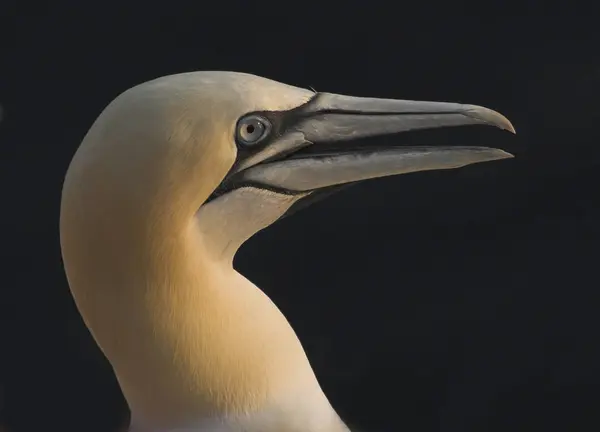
237	150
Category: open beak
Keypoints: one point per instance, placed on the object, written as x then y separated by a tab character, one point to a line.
338	146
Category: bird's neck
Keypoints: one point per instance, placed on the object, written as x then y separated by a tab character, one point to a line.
192	342
225	356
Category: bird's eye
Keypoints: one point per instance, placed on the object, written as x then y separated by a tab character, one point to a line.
252	129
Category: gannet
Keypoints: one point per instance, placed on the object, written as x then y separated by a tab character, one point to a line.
172	177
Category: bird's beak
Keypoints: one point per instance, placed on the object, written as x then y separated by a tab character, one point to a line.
338	148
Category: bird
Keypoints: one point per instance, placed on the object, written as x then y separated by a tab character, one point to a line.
173	176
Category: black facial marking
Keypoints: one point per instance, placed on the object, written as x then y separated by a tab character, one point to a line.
281	122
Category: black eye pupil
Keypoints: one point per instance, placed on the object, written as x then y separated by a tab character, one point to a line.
250	129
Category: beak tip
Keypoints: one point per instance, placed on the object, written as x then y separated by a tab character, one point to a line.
490	154
509	127
490	117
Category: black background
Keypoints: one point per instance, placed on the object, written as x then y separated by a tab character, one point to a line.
462	300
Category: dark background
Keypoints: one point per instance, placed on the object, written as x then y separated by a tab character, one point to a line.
462	300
